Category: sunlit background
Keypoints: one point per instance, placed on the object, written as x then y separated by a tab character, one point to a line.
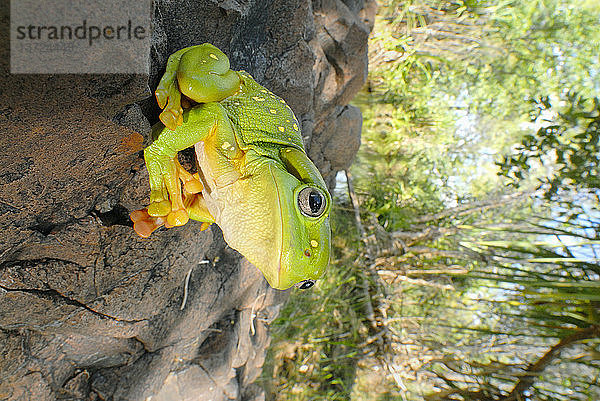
467	232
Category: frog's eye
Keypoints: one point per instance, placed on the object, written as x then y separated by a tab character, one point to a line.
311	202
303	285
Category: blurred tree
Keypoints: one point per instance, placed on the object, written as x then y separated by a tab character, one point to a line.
567	146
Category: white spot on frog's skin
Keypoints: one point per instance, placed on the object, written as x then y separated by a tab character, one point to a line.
296	127
282	101
258	99
236	103
273	111
280	128
213	56
226	145
314	243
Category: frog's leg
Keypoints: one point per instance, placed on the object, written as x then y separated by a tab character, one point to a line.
167	91
202	73
166	199
193	201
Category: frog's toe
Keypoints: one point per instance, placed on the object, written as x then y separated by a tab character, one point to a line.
171	117
138	215
193	186
144	224
162	96
177	218
191	182
159	208
145	228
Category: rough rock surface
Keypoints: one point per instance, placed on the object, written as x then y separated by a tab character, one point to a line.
88	310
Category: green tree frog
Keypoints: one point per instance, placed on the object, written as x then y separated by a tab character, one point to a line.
254	178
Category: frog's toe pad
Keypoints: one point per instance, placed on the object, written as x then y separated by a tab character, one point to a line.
177	218
144	224
193	186
159	209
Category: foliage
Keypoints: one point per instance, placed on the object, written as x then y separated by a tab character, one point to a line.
446	283
527	297
567	143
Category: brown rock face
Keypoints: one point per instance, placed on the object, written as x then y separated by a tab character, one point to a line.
88	310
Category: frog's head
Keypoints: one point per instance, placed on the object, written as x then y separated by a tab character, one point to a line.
289	207
305	205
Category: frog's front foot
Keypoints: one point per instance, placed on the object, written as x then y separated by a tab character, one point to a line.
171	211
157	214
144	223
167	204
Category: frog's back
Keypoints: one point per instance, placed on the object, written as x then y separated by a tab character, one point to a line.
262	117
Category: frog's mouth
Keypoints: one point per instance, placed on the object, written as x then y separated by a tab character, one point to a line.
289	235
292	261
280	226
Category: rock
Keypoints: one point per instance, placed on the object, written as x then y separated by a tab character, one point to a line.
90	311
339	141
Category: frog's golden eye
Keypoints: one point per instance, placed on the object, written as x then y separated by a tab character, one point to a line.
303	285
312	202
